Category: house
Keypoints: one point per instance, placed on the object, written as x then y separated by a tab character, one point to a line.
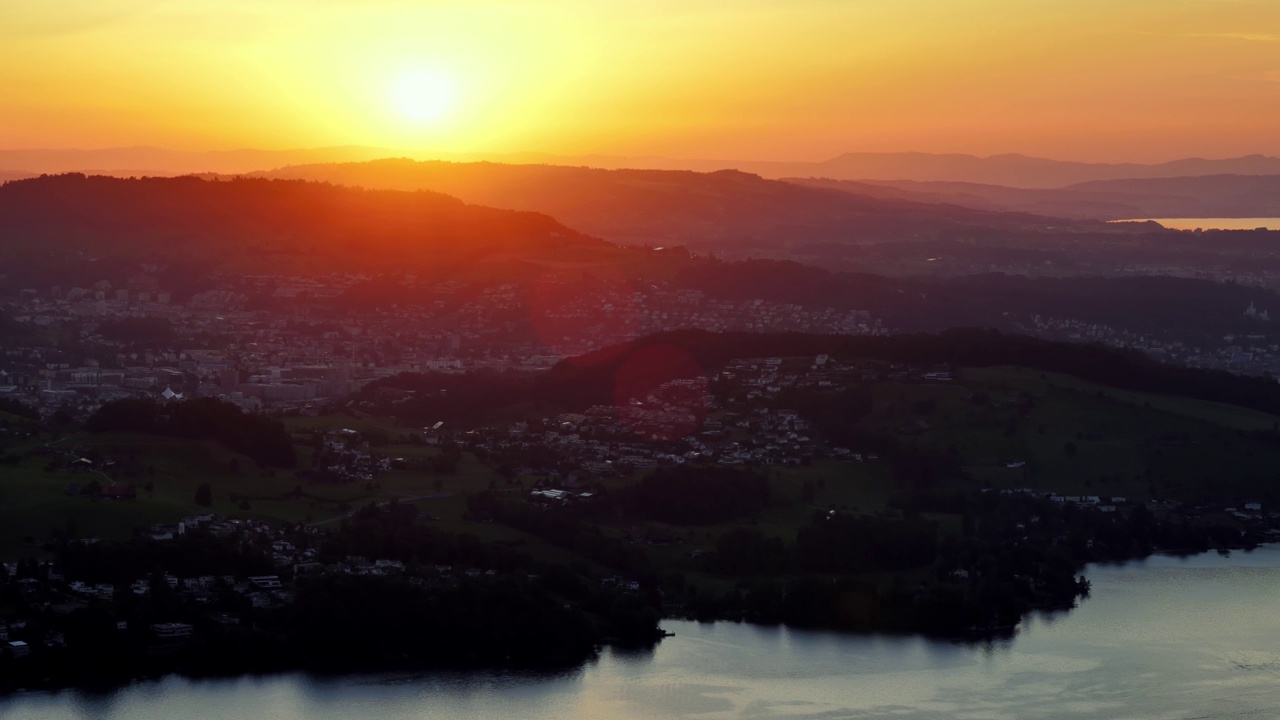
18	649
1253	506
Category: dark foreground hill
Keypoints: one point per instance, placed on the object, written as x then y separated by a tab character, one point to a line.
257	225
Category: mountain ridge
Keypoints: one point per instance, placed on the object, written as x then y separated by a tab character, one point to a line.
1208	196
722	211
260	222
1010	169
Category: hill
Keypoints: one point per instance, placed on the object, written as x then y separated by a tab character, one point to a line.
265	226
1012	170
725	211
1195	196
1207	196
124	161
11	175
597	378
255	224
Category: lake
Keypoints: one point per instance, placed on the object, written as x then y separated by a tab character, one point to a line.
1214	223
1160	639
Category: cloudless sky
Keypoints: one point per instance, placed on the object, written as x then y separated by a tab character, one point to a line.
733	79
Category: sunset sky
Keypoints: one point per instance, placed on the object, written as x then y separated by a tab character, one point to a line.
1136	80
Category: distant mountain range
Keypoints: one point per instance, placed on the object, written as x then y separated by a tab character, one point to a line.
1206	196
9	176
1011	170
724	211
75	231
1017	171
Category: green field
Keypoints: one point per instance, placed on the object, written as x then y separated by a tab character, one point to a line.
1125	444
1080	438
34	504
1072	437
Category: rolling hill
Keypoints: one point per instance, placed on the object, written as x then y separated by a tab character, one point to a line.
1011	170
252	224
725	211
1193	196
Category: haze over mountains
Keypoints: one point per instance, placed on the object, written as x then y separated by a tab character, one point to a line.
1011	170
724	211
1209	196
76	230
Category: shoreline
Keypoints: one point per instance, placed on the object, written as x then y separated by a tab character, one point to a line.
553	668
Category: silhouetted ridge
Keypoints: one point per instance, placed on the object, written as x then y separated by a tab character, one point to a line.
727	209
233	222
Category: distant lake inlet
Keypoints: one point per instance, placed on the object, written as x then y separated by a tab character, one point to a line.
1212	223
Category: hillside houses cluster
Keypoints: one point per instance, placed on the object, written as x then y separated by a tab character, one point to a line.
1250	511
726	419
1249	352
346	456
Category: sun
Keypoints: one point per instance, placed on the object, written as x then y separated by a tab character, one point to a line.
423	95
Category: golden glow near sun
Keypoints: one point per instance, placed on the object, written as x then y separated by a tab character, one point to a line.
730	79
423	95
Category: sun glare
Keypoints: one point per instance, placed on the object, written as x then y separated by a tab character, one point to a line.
423	96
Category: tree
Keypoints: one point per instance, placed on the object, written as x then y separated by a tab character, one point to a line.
204	495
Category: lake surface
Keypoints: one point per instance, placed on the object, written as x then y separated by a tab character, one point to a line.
1162	639
1214	223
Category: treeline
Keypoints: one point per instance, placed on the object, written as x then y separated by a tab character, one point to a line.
263	439
1011	554
684	495
493	606
17	409
395	531
565	530
981	579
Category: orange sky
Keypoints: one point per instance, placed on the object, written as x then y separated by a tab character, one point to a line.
736	79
